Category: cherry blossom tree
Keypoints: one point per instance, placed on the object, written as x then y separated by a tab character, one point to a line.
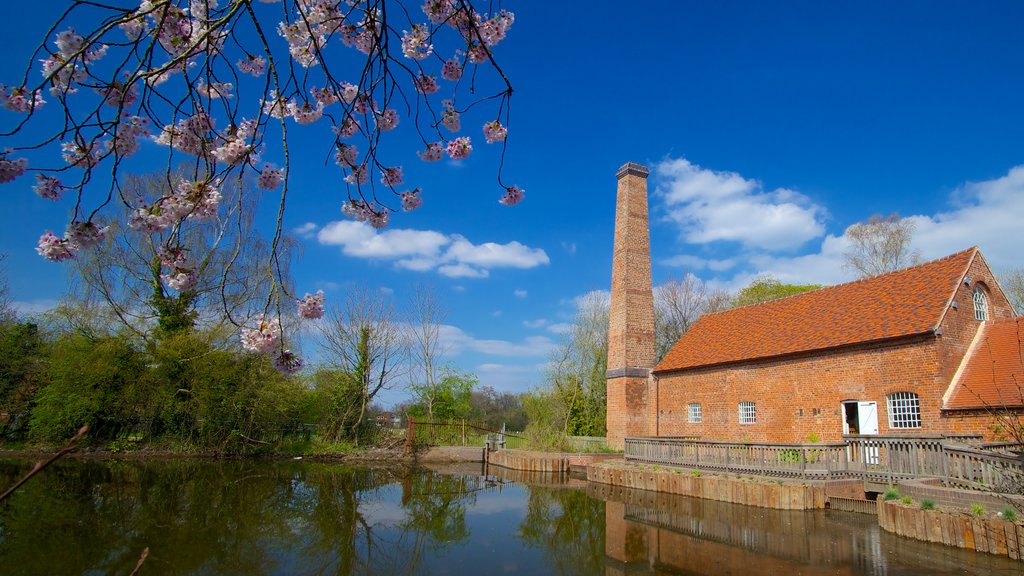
225	86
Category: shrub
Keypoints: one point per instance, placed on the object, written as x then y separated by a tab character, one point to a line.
814	438
906	500
1009	514
696	473
977	509
891	494
927	504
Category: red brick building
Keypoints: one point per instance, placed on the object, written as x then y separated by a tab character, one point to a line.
929	349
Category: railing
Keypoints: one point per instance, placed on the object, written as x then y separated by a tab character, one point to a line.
458	433
804	460
884	459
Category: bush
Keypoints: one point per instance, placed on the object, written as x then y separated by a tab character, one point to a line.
891	494
927	504
907	500
977	509
1009	514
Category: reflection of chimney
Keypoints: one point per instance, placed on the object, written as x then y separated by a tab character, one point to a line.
631	351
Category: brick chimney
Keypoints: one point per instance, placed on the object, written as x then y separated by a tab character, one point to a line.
631	350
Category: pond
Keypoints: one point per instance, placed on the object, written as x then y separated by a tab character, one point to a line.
255	517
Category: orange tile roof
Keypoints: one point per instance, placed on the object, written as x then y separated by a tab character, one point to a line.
902	303
993	373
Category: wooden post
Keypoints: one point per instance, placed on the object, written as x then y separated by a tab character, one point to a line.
463	431
410	435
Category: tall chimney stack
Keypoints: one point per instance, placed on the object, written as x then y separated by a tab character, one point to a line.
631	350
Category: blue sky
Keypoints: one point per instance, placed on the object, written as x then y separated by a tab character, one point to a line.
769	130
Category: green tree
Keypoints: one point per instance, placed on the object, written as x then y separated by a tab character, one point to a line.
448	398
766	288
22	372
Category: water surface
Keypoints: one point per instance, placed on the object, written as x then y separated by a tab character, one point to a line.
197	517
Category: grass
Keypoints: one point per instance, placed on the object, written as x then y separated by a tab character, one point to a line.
927	504
907	500
891	494
977	509
1009	514
696	473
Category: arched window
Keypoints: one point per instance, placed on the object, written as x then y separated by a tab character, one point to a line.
904	410
980	304
748	412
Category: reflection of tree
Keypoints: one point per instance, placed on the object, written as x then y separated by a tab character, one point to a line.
435	506
569	526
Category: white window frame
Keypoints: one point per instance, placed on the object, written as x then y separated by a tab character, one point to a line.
747	412
980	304
693	413
904	409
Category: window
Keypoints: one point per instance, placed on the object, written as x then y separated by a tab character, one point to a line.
693	413
748	413
904	410
980	304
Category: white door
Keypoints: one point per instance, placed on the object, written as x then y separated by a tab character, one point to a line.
867	420
867	417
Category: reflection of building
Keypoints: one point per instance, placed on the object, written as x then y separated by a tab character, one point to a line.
923	351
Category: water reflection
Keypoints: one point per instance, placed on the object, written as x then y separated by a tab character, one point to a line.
85	517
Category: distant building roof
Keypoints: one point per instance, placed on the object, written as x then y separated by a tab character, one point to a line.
993	372
902	303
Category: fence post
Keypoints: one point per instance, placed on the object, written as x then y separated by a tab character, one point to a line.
410	435
463	431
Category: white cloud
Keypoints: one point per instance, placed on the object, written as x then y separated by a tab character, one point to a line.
456	341
304	231
538	323
423	250
519	293
569	247
560	328
697	263
34	307
986	214
710	206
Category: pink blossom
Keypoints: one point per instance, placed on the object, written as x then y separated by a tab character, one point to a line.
416	43
513	195
411	200
119	95
214	90
449	117
47	187
433	153
19	99
264	337
54	249
84	234
11	168
199	200
392	176
494	132
133	28
252	65
349	92
459	148
69	42
288	362
493	30
270	178
452	69
325	96
61	75
234	151
477	53
173	257
130	129
349	127
300	42
438	10
276	106
363	211
149	219
426	84
311	306
388	120
180	280
360	175
189	135
80	155
363	104
305	114
347	155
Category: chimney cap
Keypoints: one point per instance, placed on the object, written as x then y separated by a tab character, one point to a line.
632	168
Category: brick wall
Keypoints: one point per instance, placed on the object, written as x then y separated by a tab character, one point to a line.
631	351
800	395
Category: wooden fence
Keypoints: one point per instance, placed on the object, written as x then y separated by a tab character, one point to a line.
457	433
881	459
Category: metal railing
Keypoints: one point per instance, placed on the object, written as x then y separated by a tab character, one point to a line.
884	459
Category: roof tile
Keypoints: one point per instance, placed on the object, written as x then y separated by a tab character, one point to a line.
902	303
993	375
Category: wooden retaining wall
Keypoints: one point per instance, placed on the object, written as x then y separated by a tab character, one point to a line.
544	462
786	496
991	535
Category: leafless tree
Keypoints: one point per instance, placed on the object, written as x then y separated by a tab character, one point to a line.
678	304
881	245
576	374
222	263
365	345
1012	282
427	315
